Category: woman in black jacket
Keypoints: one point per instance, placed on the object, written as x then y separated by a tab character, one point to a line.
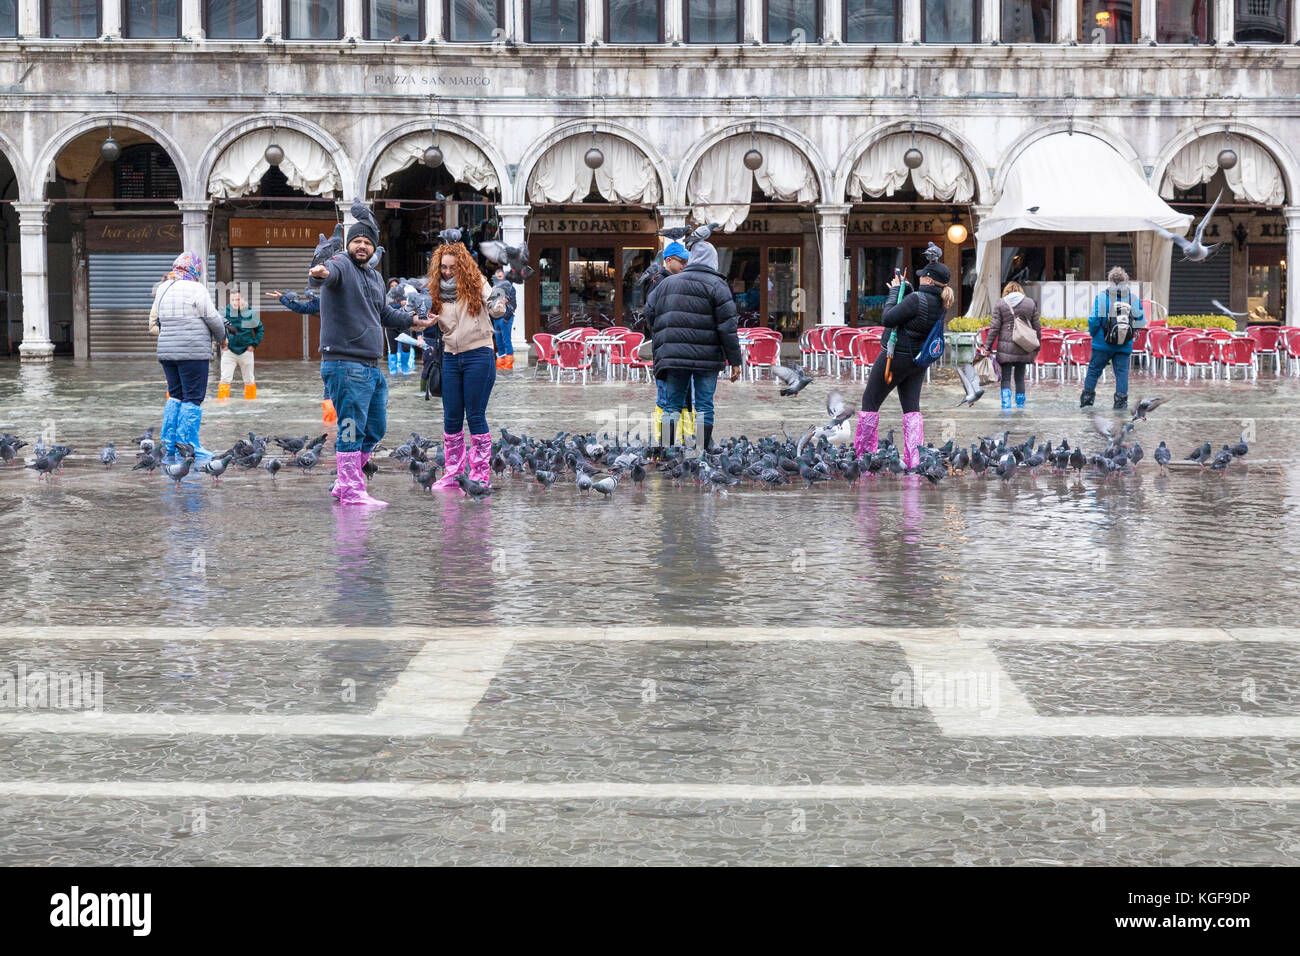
912	319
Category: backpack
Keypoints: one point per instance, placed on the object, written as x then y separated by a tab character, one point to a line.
1117	326
931	349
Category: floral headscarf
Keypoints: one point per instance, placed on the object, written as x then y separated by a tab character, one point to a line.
188	265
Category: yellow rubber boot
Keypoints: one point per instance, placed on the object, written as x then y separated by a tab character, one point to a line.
658	427
688	423
250	390
223	391
327	413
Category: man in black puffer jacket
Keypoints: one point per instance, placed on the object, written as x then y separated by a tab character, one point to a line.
692	319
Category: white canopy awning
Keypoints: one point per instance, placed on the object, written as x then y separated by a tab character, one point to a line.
465	161
943	175
307	165
1255	179
563	176
721	185
1077	183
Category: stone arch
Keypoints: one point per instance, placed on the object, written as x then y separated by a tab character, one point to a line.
56	144
218	144
1104	133
1282	155
796	139
976	162
449	124
534	153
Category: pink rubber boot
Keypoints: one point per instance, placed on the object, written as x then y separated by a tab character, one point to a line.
352	483
453	447
913	438
480	459
865	437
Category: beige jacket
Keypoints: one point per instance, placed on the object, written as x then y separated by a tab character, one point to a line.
461	331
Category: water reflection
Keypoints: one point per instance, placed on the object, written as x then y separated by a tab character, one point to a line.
360	578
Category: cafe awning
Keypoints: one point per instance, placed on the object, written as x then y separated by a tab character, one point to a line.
1077	183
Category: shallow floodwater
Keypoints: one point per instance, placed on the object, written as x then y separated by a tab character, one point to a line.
1132	645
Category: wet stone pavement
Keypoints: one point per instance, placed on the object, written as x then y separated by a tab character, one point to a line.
1058	670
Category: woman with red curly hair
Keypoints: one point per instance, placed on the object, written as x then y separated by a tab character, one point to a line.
460	304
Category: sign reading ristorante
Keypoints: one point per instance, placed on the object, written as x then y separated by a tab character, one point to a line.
284	233
547	225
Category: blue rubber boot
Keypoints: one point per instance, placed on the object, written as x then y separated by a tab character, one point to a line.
187	430
392	363
167	439
1020	399
408	362
1006	398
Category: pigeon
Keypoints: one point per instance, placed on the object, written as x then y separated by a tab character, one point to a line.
180	469
1162	456
6	452
792	380
292	445
545	478
426	478
1146	406
606	485
1240	449
1032	209
1201	455
1222	459
1227	311
362	214
450	236
1193	249
584	481
970	381
327	249
44	466
811	475
147	461
471	487
146	437
272	465
700	234
108	455
306	460
216	467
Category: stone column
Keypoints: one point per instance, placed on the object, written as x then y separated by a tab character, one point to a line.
34	259
1067	21
751	29
194	229
990	20
433	28
512	219
80	283
192	19
911	21
1292	265
354	21
674	13
1147	20
594	28
272	20
514	25
1225	22
832	222
673	217
832	21
110	19
29	18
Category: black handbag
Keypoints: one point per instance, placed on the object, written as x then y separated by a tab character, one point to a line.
432	363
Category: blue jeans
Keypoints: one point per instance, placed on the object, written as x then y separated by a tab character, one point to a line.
1101	357
467	380
360	396
501	334
677	395
186	381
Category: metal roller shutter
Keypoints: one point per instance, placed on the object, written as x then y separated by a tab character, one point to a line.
121	292
1193	284
283	269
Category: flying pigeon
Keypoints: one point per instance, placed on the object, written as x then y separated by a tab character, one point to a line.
1146	406
1193	249
970	381
1227	311
793	380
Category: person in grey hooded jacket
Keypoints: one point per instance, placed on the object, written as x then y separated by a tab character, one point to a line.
188	323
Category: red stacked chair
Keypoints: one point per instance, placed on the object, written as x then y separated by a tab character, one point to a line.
1049	357
764	352
545	353
1238	353
572	356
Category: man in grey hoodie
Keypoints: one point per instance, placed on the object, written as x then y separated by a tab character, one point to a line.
354	312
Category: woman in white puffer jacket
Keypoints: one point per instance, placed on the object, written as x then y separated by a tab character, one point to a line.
188	323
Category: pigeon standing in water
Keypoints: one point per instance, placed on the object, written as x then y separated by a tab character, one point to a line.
181	468
44	466
474	489
1240	449
272	465
606	485
145	441
1162	456
108	455
216	467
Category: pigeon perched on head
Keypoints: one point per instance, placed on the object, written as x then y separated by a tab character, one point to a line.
363	214
450	236
327	249
792	380
108	455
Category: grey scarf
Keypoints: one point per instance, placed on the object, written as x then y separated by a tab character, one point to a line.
447	290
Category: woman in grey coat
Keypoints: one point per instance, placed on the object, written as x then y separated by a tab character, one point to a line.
1010	356
188	323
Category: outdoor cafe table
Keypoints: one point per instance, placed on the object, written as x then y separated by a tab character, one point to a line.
599	346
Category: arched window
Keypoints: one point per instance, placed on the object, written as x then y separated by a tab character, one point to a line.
553	21
151	19
232	19
472	21
70	19
787	21
950	21
872	21
145	172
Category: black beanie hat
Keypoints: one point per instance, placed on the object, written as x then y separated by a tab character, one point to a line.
363	229
936	271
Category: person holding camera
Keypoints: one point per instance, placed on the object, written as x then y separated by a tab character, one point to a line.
1116	316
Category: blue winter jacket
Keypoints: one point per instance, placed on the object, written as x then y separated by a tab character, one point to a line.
1101	309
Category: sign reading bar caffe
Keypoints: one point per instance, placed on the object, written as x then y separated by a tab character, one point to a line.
553	225
281	233
134	235
889	224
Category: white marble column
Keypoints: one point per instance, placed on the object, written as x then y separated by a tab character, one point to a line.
752	27
990	20
911	21
1147	20
34	261
514	25
29	18
674	13
1067	21
194	228
354	21
1225	21
272	19
832	222
110	18
433	28
513	231
1292	265
192	19
594	15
